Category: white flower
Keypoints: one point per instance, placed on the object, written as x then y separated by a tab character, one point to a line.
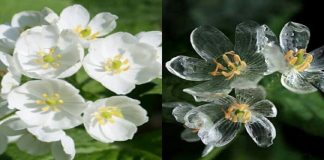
77	18
42	52
120	61
153	38
52	104
8	37
114	119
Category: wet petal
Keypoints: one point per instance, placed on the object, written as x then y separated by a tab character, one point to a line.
294	36
251	95
207	150
265	108
217	87
180	109
223	132
318	60
190	68
189	135
246	38
261	131
316	79
294	82
209	42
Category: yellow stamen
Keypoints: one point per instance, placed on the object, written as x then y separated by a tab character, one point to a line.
299	60
238	113
234	66
47	60
107	114
116	65
86	33
51	102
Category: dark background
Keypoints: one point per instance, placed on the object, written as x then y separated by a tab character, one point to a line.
300	120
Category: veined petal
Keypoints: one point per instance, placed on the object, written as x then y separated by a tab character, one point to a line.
294	36
251	95
315	78
73	16
180	109
153	38
294	82
190	68
189	135
103	23
265	108
318	60
261	131
246	38
209	42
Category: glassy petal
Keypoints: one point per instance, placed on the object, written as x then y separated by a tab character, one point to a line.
294	36
190	68
261	131
180	109
316	79
103	23
265	108
250	96
246	38
318	59
189	135
209	42
207	150
294	82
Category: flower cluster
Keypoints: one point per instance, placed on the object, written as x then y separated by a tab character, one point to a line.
38	49
225	67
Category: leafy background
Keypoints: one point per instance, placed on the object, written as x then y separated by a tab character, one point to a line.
300	120
134	17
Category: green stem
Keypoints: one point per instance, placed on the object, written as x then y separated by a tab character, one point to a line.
7	115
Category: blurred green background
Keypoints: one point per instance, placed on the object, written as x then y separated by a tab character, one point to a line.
134	17
300	120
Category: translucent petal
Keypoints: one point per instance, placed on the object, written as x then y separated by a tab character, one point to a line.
246	38
180	109
294	36
265	37
223	132
189	135
316	79
261	131
318	60
190	68
250	96
294	82
209	42
265	108
217	87
207	150
203	116
31	145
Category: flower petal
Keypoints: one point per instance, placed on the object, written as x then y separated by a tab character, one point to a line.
63	149
27	19
294	36
31	145
261	131
316	79
189	135
153	38
207	150
265	108
103	23
180	109
209	42
190	68
246	38
294	82
73	16
121	130
4	143
251	95
46	135
318	59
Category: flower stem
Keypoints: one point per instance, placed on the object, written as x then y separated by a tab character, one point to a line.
7	115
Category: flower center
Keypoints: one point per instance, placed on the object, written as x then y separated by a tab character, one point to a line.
106	114
116	65
86	33
299	60
48	59
238	113
50	102
234	66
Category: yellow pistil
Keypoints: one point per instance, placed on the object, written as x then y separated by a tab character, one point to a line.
50	102
299	60
106	114
238	113
116	65
234	66
86	33
47	60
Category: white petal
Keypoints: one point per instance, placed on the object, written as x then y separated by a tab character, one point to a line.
153	38
121	130
261	131
64	149
103	23
50	16
8	83
27	19
73	16
8	37
46	135
31	145
294	36
3	143
294	82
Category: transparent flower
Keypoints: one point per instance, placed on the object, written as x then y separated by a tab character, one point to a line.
77	18
51	103
223	66
301	70
42	52
153	38
120	61
114	119
20	22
